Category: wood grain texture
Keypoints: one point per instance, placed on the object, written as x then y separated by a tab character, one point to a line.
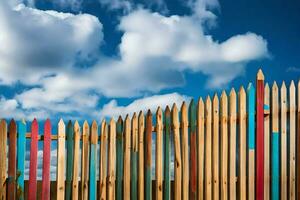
126	183
70	157
75	186
193	150
167	154
185	152
224	147
215	148
242	189
85	161
141	178
298	144
148	157
103	159
11	179
267	143
283	140
21	151
46	161
111	160
177	154
275	144
208	149
61	152
33	160
93	161
120	148
3	141
251	141
200	148
292	150
259	192
134	154
159	155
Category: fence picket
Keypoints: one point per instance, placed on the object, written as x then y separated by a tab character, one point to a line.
21	151
134	152
193	151
148	181
3	141
298	144
61	152
93	161
177	154
185	152
46	161
267	143
215	147
33	161
75	174
85	161
200	147
251	141
111	160
11	179
208	143
283	144
275	145
292	150
224	146
159	151
103	155
119	143
127	133
167	154
141	179
70	153
242	144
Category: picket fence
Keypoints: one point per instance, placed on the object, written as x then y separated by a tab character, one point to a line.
241	146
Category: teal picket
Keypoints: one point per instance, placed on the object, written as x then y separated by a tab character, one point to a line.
119	142
167	153
21	151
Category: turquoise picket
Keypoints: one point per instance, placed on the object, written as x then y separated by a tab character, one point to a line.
251	116
119	142
70	153
275	166
21	151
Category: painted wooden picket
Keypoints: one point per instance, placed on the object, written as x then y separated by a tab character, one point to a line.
242	145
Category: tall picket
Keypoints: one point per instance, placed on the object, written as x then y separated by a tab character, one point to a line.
283	140
119	149
193	150
267	143
141	177
127	134
85	161
111	160
70	154
208	143
33	161
61	152
167	154
200	147
148	163
103	156
185	152
215	148
292	150
134	154
3	141
93	161
12	156
159	155
46	161
21	152
75	174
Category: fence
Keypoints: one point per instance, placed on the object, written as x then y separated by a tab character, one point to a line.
240	146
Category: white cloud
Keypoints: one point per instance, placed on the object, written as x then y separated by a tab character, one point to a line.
112	109
124	5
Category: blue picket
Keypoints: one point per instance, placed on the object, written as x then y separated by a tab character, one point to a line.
21	150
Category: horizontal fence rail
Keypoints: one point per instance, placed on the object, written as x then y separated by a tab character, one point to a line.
239	145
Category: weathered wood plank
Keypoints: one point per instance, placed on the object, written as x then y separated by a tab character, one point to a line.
21	151
120	148
292	150
46	161
141	179
167	154
267	143
193	150
85	161
111	160
208	148
283	145
259	135
215	147
148	181
70	154
61	152
33	160
93	161
127	170
103	156
275	145
11	179
200	148
185	152
159	155
242	144
134	152
3	141
75	174
224	146
251	141
298	144
232	144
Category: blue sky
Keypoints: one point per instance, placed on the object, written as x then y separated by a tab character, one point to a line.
89	59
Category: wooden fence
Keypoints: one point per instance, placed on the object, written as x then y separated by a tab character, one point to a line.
240	146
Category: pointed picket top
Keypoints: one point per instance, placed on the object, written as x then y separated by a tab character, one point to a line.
192	107
61	128
103	122
12	125
208	100
215	99
167	111
112	122
85	130
283	87
61	122
250	87
34	123
175	115
292	86
76	126
12	122
23	121
184	118
94	125
69	125
260	75
141	115
149	113
159	111
267	88
200	102
223	95
224	100
232	93
133	116
242	91
47	128
274	86
120	119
